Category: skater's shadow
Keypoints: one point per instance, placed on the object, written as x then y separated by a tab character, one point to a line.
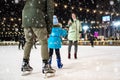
35	73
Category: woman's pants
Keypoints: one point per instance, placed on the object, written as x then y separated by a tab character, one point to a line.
75	48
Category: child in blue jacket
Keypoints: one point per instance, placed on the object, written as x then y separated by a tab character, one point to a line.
55	41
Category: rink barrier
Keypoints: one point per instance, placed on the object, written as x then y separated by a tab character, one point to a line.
65	42
6	43
97	43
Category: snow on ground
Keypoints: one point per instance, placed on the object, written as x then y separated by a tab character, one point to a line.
98	63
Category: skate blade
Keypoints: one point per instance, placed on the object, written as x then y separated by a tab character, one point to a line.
53	71
49	74
25	73
50	71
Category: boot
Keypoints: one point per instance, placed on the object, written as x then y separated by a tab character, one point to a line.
75	55
69	55
59	64
26	66
46	67
50	62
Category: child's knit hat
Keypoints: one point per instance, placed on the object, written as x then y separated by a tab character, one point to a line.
55	20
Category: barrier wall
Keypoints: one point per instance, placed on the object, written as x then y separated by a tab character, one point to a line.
98	43
65	42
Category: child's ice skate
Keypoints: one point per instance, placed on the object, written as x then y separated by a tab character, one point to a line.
59	64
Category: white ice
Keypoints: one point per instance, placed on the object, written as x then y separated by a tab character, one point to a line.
98	63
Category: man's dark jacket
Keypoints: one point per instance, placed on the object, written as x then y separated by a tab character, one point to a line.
38	13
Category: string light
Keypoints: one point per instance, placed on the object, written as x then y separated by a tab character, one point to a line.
56	5
97	22
12	19
19	19
72	7
94	11
117	14
4	18
106	13
80	9
112	13
16	1
100	12
65	6
2	23
87	10
15	24
92	22
64	22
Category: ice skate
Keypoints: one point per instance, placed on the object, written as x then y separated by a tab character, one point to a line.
49	64
26	68
59	64
47	70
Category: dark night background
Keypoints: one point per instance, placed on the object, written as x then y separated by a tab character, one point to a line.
87	11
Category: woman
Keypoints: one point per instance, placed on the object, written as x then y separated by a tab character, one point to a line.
73	34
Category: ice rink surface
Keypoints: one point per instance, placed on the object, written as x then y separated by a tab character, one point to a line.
98	63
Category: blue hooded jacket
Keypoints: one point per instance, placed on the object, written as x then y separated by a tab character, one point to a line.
54	40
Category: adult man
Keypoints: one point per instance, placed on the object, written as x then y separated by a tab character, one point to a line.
36	16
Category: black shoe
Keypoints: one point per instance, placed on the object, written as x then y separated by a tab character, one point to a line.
75	56
69	55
